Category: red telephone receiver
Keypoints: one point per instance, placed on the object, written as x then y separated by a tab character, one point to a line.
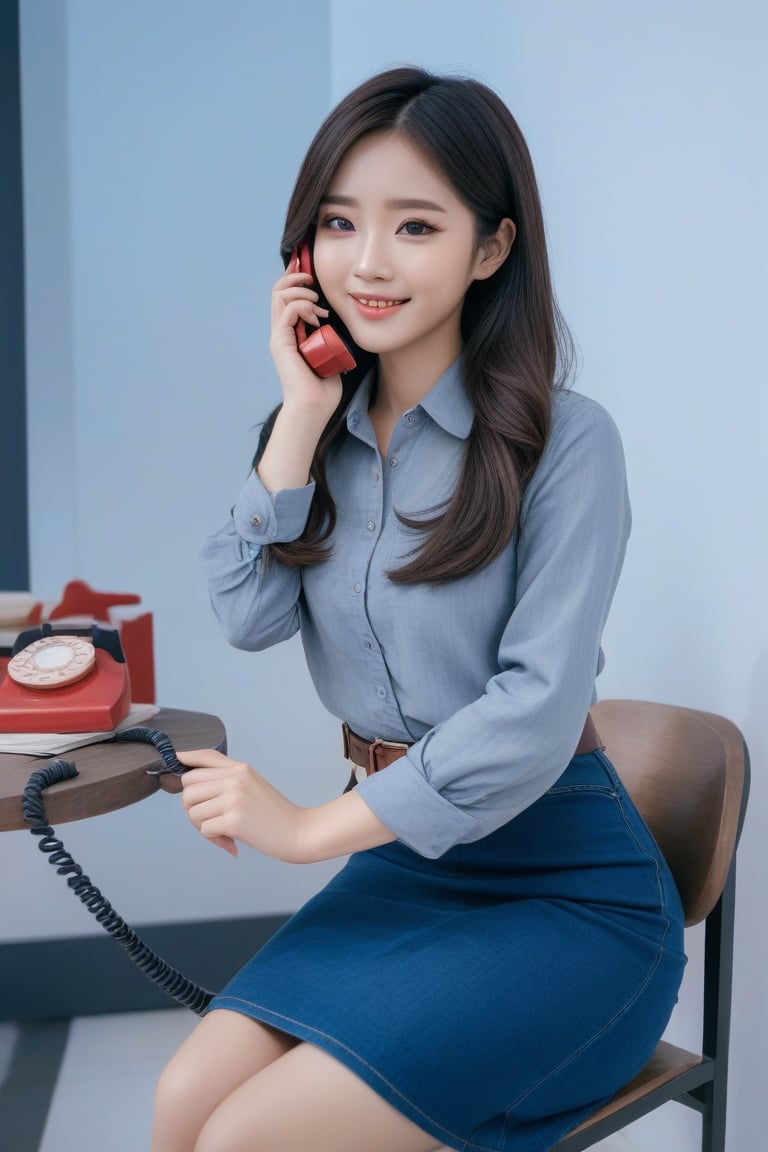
324	351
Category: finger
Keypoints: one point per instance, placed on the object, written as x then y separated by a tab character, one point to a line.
205	758
225	842
215	776
203	775
295	274
216	828
200	792
293	277
205	810
296	292
285	313
301	310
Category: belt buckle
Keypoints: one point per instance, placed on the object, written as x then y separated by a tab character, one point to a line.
379	743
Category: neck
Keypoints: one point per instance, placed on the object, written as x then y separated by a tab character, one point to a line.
405	376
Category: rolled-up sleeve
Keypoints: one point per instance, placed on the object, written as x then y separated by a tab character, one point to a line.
255	603
494	757
263	517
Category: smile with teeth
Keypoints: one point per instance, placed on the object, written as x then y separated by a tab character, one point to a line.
378	303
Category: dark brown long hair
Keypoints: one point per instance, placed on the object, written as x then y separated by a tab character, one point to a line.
516	346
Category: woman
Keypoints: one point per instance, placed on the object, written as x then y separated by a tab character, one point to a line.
446	525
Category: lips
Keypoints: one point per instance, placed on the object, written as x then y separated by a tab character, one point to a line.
377	307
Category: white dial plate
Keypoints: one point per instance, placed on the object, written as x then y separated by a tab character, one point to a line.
53	662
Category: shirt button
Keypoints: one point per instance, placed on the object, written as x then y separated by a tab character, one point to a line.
393	461
374	475
354	418
371	526
358	587
255	521
367	643
408	420
381	693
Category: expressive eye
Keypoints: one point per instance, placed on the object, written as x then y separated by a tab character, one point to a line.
417	228
338	224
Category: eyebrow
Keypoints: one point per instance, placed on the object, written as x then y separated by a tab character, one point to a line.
350	202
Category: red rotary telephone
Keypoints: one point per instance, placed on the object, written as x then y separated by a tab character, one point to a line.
66	680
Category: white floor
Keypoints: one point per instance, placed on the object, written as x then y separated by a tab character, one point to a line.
104	1093
103	1097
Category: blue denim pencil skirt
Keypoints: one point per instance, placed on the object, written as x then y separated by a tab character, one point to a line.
496	996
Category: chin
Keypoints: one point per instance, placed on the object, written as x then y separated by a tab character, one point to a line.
381	347
376	342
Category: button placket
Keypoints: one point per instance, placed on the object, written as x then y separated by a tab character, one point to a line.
394	480
372	528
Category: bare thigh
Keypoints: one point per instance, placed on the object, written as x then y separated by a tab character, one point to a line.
309	1100
225	1050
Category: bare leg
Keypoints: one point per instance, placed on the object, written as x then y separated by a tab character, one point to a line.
308	1100
226	1049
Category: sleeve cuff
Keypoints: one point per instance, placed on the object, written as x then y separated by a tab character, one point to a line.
405	803
277	518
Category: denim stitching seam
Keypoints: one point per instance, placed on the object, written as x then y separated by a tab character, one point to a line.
357	1056
602	788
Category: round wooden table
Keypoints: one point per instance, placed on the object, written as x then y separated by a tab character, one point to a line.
110	776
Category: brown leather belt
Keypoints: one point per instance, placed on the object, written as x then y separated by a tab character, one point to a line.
373	755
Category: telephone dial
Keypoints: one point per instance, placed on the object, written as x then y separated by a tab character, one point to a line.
325	350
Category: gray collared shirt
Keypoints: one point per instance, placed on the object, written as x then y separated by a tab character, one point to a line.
491	675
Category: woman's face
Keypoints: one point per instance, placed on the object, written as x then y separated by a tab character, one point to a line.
395	249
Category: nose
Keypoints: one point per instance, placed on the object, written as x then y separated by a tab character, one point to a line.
372	259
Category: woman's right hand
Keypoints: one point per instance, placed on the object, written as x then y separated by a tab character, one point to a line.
294	298
308	401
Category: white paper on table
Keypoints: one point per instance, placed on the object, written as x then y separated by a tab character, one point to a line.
54	743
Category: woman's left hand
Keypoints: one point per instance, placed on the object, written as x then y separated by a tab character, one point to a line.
227	800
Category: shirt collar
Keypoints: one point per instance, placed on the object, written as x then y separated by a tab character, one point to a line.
357	409
447	402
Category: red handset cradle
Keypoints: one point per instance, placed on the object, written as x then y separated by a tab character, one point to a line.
324	351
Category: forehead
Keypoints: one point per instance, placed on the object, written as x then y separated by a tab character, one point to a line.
384	166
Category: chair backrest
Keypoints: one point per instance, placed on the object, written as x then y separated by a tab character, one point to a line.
688	775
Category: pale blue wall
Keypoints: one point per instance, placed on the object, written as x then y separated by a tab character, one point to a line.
160	144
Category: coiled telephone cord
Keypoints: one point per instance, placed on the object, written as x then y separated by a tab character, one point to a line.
179	987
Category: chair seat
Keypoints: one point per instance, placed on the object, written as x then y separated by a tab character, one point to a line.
667	1064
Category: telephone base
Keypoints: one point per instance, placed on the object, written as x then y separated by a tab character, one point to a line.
96	704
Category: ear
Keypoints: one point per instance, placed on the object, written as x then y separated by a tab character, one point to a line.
493	250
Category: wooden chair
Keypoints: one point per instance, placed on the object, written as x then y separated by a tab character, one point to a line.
688	774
